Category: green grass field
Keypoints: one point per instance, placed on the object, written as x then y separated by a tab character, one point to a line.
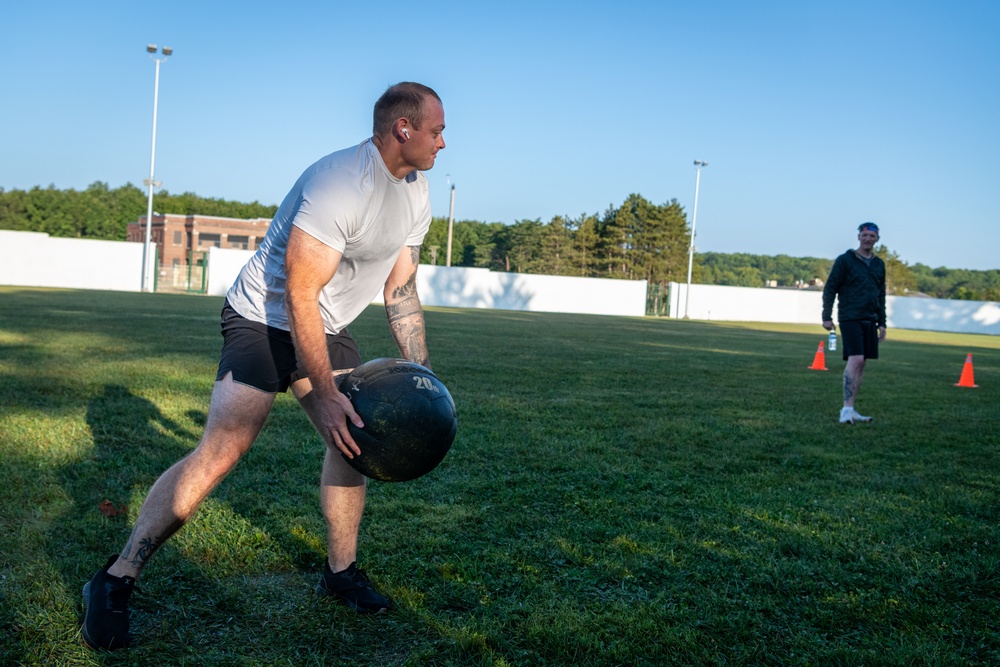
622	491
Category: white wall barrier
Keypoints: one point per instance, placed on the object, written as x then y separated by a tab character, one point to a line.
223	267
744	304
462	287
943	315
749	304
39	260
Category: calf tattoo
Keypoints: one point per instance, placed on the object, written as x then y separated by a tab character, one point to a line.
848	388
139	559
147	545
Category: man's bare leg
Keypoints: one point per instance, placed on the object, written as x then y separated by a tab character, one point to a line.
236	415
342	495
854	371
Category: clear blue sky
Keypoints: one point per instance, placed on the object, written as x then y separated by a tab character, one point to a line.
813	116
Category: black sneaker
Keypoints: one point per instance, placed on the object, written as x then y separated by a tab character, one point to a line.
105	608
353	588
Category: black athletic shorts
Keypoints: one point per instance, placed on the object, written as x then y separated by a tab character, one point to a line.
264	357
859	337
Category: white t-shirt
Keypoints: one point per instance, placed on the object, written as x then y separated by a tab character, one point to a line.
349	201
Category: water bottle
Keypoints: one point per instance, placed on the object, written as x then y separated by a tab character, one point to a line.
832	345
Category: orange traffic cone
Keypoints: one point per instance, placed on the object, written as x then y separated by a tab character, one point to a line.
967	379
819	361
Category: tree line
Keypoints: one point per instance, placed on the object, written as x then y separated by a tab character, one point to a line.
100	212
637	240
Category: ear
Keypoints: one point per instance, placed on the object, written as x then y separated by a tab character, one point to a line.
401	130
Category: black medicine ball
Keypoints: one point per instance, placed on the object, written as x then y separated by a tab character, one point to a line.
409	418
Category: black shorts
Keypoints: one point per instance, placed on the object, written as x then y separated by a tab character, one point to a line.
859	338
263	357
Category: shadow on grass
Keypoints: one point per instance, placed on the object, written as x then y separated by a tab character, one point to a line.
210	582
133	443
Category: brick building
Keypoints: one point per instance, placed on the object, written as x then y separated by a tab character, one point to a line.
181	242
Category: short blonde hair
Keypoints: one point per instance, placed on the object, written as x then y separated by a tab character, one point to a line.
402	100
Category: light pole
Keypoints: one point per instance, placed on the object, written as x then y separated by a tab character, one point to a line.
146	281
451	219
698	164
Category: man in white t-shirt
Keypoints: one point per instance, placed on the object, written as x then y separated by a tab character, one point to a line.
352	224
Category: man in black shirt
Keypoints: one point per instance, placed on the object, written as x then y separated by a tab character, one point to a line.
857	280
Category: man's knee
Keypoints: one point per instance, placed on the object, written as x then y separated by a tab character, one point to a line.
856	362
222	445
338	472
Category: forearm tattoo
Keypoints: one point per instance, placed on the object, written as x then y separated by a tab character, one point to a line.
406	318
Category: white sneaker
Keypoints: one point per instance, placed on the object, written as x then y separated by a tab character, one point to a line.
850	416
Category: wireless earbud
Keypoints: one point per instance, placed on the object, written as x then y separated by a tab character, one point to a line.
406	133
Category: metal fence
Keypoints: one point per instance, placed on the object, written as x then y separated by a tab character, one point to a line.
189	279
